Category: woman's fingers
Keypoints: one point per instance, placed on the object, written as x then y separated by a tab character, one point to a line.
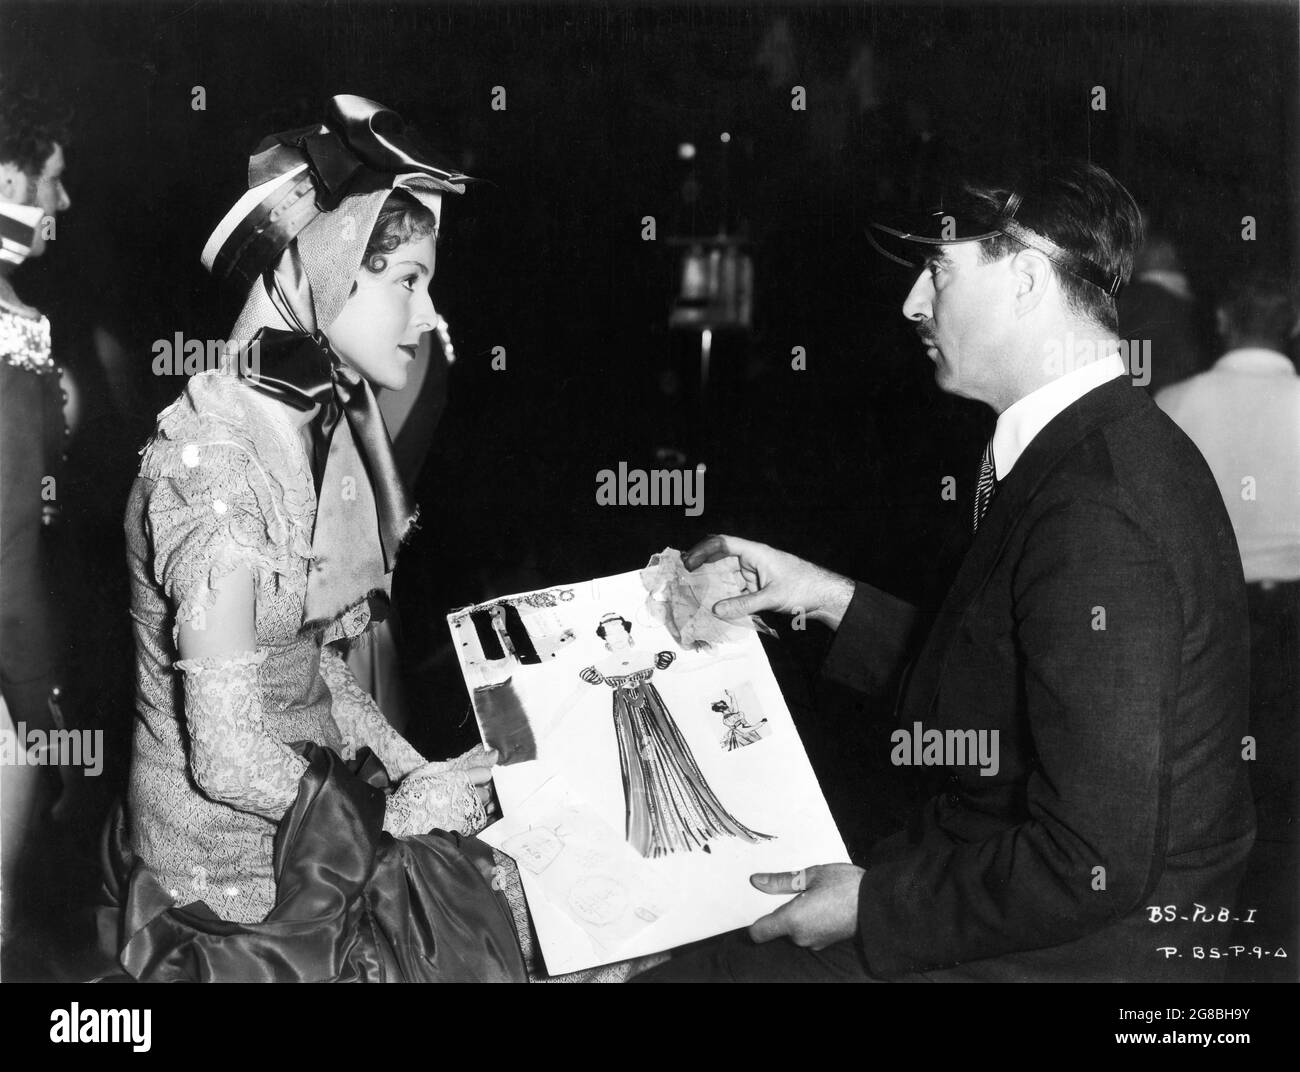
479	775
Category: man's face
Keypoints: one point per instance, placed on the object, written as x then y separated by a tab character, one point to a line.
962	309
44	191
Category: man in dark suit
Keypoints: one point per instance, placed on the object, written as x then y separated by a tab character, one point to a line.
33	551
1085	680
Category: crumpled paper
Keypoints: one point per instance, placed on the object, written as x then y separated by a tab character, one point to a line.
682	600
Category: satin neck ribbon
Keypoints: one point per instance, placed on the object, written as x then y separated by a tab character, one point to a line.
303	371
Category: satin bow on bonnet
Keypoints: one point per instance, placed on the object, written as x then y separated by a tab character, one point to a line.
296	239
18	227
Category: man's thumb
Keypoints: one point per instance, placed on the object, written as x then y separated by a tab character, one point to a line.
739	606
781	882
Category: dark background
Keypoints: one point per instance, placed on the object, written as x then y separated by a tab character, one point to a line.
841	463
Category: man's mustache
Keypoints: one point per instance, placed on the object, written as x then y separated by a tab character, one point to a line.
927	336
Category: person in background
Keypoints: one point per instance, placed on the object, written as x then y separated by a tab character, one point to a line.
33	431
1157	317
1244	415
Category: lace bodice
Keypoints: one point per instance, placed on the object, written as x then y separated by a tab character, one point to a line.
25	342
226	483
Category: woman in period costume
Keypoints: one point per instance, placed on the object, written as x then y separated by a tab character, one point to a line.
670	805
277	827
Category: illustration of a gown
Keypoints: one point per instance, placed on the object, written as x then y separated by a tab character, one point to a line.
670	805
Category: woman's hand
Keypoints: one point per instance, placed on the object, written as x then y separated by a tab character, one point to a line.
434	797
475	765
478	756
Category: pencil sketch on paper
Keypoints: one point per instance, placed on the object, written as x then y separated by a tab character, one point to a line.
536	848
599	900
589	873
670	805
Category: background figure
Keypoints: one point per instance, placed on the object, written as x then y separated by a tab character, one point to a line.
34	392
1157	316
1244	415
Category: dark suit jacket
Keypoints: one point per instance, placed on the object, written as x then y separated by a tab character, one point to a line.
32	652
1120	747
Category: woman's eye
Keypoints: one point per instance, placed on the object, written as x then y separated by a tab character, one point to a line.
409	282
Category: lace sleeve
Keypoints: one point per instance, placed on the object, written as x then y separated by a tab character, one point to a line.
442	799
233	758
360	721
207	517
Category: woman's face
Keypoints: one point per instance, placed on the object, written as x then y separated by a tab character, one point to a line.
616	637
380	326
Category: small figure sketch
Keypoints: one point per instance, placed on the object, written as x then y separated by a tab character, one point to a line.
599	900
739	730
670	805
536	848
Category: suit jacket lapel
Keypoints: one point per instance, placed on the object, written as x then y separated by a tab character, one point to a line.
1111	401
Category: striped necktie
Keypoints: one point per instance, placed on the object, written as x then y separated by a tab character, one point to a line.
986	486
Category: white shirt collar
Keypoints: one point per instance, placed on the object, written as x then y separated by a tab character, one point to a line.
1023	420
1256	359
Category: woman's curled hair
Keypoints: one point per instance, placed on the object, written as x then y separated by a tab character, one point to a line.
401	220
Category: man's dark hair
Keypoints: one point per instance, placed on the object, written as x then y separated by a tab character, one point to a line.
30	126
1081	208
1259	309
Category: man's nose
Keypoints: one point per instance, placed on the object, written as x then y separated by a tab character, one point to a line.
917	306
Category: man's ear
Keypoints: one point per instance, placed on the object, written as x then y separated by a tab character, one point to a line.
1033	275
13	183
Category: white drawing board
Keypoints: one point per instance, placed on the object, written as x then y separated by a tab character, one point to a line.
640	785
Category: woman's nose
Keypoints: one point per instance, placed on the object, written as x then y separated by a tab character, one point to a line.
917	306
424	316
